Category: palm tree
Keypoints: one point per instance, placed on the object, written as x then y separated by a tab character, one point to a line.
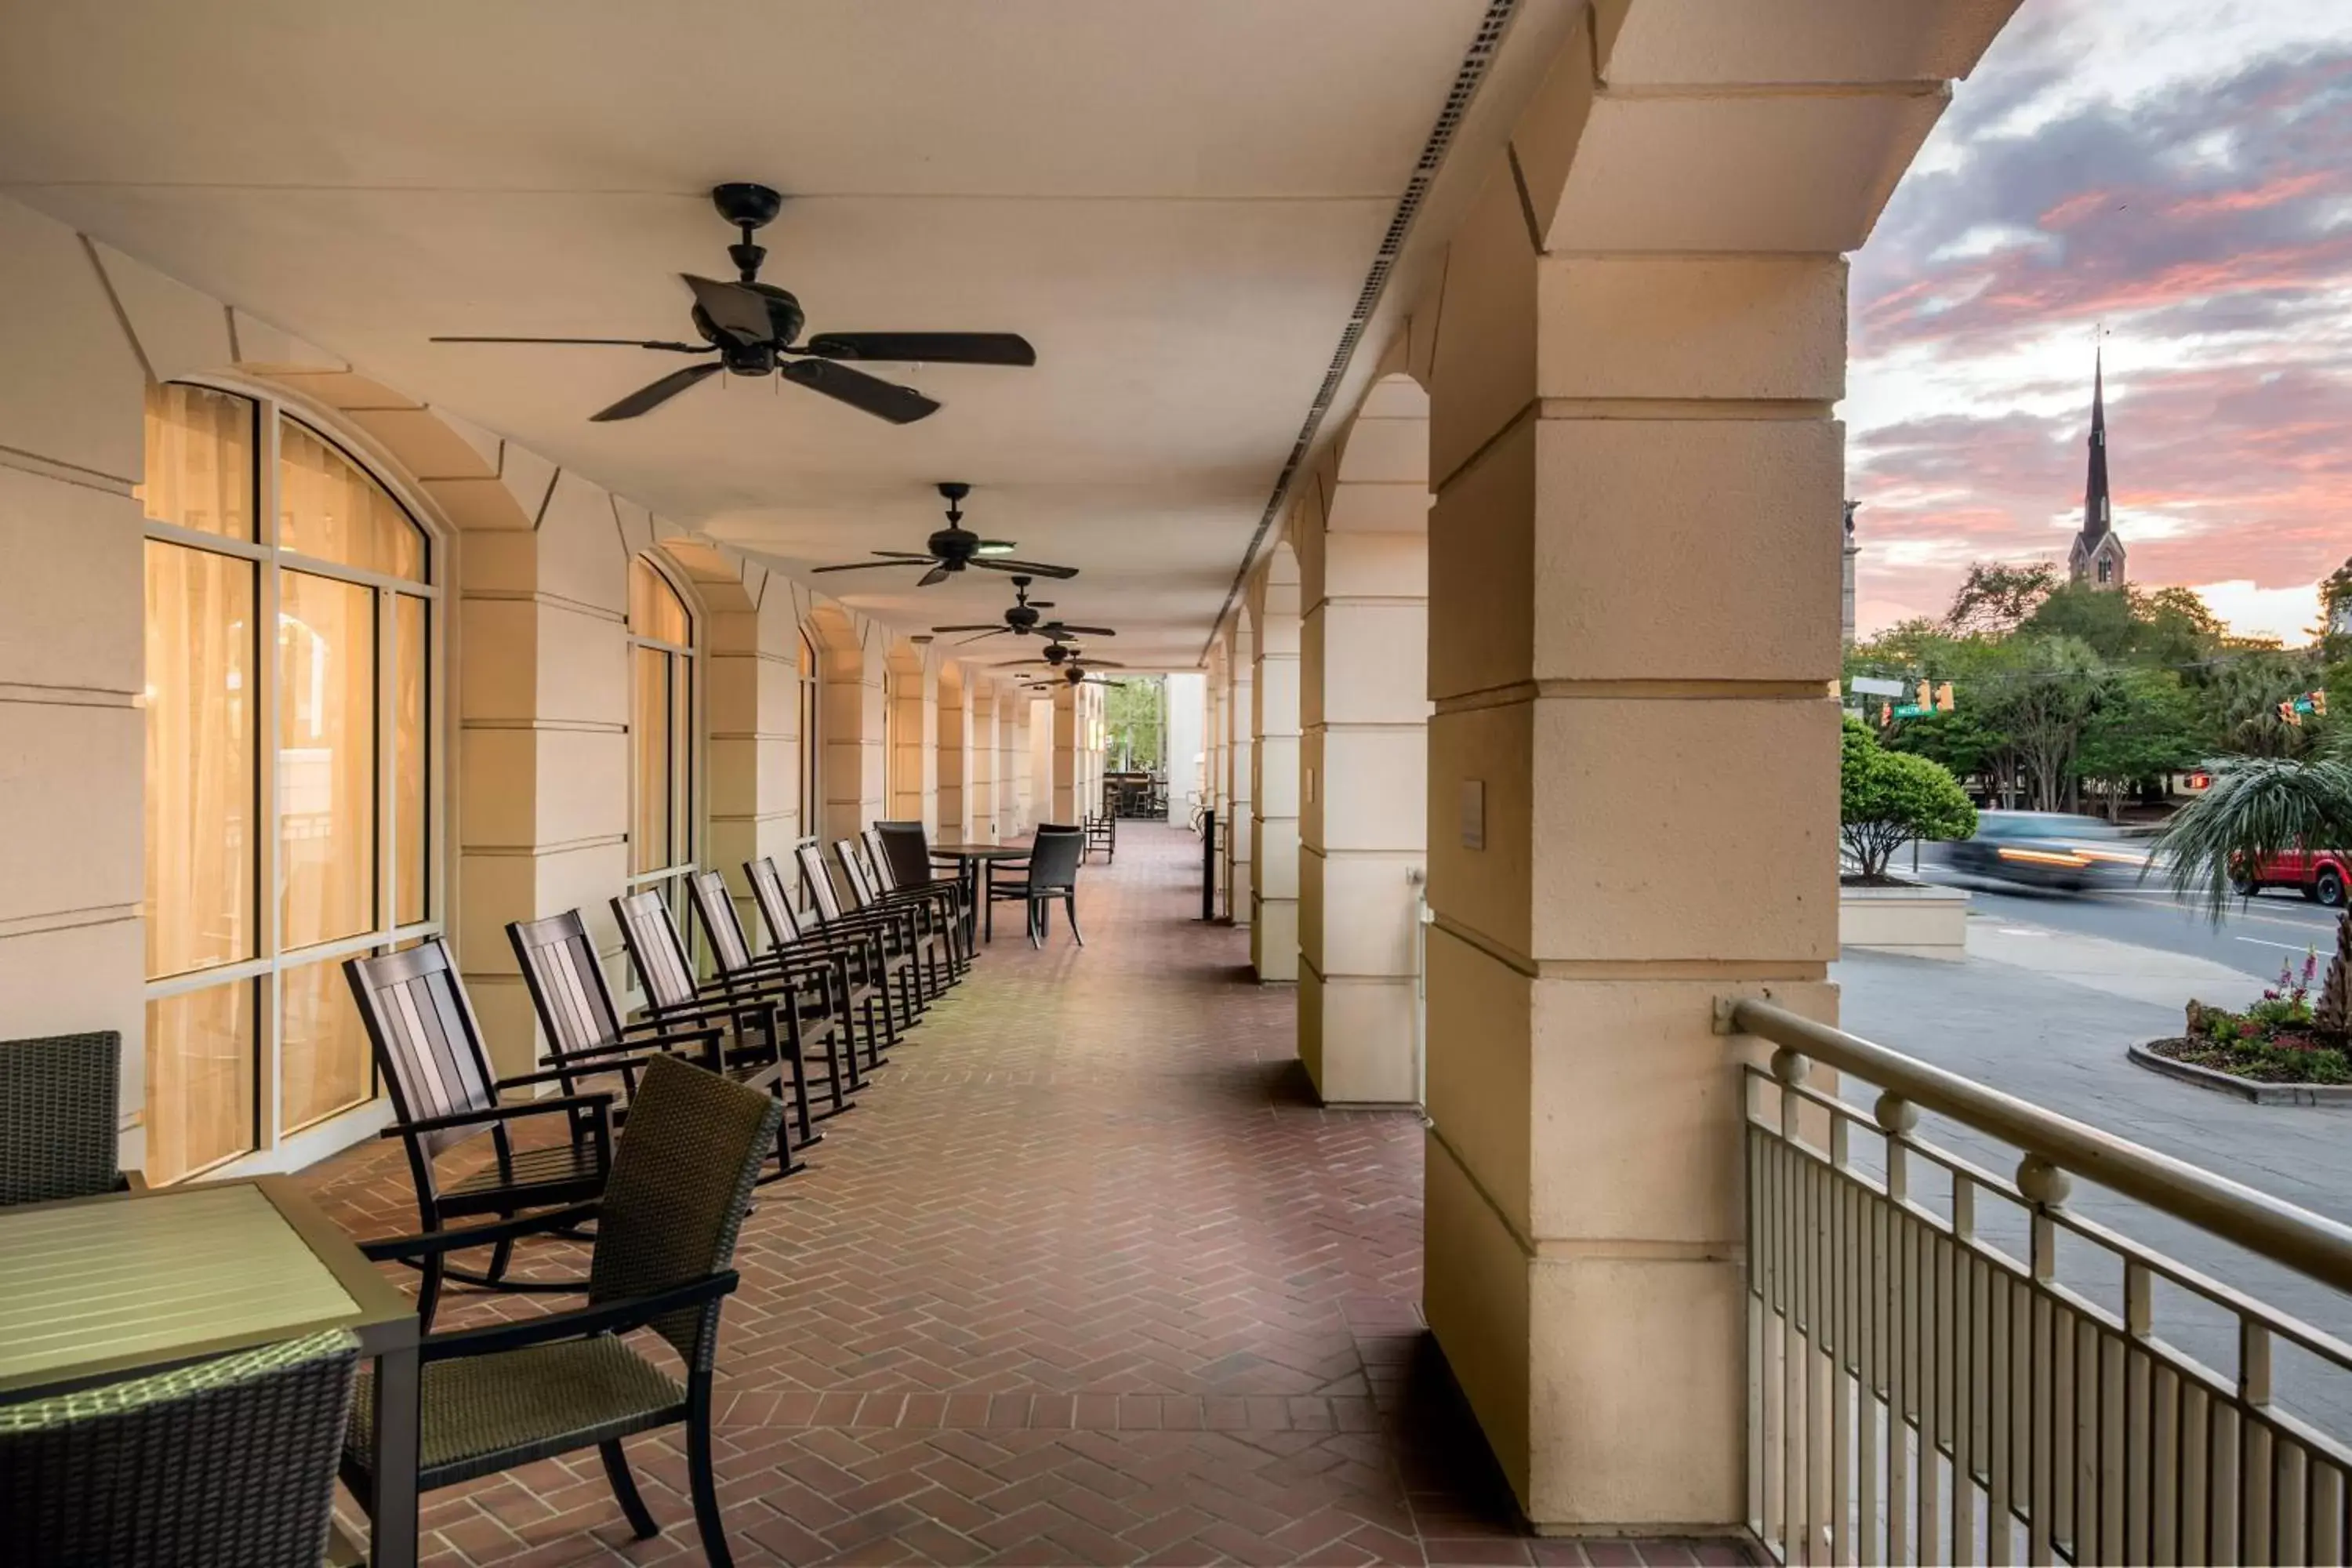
2258	807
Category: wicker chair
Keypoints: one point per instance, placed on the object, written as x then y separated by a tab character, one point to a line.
225	1464
508	1393
57	1117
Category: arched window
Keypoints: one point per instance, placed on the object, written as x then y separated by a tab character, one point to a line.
661	734
812	743
291	785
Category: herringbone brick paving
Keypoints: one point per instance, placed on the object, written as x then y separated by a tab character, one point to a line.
1087	1278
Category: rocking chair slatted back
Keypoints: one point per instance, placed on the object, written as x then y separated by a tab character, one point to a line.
425	1038
852	867
655	949
567	983
715	907
820	881
768	891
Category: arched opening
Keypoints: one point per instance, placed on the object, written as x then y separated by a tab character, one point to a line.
293	793
662	769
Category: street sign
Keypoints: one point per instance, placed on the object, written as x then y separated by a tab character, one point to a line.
1872	686
1913	710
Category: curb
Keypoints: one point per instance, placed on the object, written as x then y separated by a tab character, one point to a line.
2243	1088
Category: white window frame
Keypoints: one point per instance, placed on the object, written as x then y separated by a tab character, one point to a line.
274	1150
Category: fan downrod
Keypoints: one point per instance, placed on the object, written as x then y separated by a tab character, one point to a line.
749	207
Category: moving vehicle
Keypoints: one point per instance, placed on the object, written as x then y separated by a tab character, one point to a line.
2047	849
2322	875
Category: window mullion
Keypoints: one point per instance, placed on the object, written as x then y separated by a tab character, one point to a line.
269	841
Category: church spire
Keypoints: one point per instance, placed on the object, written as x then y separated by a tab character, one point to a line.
2098	554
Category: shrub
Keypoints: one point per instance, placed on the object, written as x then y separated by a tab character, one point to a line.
1888	799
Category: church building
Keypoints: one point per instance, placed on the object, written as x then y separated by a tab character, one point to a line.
2098	554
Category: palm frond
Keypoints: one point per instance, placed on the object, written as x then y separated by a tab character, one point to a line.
2257	808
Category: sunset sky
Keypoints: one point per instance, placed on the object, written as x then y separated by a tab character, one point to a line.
2181	172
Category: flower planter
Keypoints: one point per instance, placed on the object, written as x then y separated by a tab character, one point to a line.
2245	1088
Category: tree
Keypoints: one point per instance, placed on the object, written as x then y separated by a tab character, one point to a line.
1886	799
2256	808
2043	705
1132	715
1996	599
2240	700
2145	727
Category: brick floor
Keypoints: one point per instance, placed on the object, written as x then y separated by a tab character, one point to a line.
1086	1278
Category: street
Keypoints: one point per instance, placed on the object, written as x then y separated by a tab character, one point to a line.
2256	936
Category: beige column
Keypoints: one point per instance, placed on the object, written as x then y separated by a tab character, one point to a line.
1033	731
855	769
955	750
1632	640
1068	775
1363	535
1241	725
980	780
1215	708
1274	781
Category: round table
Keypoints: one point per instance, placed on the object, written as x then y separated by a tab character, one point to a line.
970	860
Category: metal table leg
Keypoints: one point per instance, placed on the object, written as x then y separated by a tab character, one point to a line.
393	1511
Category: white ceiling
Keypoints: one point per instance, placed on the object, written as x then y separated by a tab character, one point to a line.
1176	203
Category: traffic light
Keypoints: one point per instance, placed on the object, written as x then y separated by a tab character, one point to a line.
2319	703
1943	698
1926	697
2287	713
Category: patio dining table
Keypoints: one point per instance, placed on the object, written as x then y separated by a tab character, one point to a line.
972	862
101	1290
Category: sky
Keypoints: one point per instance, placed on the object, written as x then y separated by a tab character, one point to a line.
2179	174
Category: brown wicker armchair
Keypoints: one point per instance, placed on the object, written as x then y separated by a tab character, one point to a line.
503	1396
228	1463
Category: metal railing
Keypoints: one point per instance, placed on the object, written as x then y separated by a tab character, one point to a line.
1947	1364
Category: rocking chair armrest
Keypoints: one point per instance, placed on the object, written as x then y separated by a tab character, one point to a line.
725	1012
604	1318
391	1248
601	1101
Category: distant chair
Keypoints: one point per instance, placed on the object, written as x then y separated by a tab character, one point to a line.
1102	833
423	1031
505	1395
58	1111
230	1461
1050	872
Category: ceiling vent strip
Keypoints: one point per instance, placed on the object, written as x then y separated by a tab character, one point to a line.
1467	81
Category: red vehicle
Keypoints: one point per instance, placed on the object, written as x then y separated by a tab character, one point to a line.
2321	874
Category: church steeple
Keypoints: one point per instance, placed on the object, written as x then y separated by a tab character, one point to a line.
2097	556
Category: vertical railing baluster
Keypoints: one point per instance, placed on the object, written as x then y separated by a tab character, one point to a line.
2138	1325
2196	1475
1967	1370
2254	1436
2324	1540
2164	1468
1871	1325
2288	1543
2001	1372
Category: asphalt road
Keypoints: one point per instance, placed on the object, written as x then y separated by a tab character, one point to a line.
2257	936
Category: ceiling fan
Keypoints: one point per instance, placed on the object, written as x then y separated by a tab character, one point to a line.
953	549
1022	619
1060	656
752	327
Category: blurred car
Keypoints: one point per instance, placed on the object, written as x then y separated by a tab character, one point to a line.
2052	849
2322	875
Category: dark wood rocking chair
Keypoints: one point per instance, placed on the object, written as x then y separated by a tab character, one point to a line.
816	982
870	970
899	927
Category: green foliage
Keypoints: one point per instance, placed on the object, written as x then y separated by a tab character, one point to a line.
2257	808
2144	726
1888	799
1134	722
2239	703
1996	599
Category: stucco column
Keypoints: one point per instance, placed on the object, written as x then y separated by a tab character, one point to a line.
1634	610
1275	782
1362	533
1241	725
952	763
1067	777
980	759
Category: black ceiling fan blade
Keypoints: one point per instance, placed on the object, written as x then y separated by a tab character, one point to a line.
942	631
1033	568
608	342
997	632
1101	664
904	555
655	394
930	348
1063	629
869	565
883	399
939	574
740	312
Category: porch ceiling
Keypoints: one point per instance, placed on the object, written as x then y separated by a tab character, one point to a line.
1176	203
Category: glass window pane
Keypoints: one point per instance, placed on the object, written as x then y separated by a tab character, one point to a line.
411	758
654	609
649	734
200	1079
326	758
199	459
201	745
328	507
323	1053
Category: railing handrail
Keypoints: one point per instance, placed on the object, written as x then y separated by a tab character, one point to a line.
2309	1243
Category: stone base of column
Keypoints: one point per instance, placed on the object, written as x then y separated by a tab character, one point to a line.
1273	940
1356	1037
